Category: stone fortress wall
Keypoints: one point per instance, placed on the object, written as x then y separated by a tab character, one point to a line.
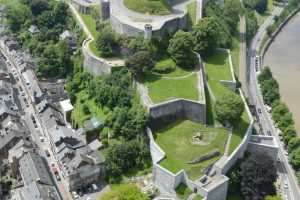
212	189
93	64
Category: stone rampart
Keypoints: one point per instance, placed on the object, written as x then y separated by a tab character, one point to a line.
93	64
173	110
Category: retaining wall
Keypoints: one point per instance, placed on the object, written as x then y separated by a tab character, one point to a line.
168	27
91	63
173	110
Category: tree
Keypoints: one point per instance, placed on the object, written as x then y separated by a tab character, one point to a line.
251	25
295	158
229	108
38	6
17	15
128	123
293	144
139	63
265	74
124	192
259	5
181	49
288	133
278	110
207	35
123	157
105	42
270	91
258	174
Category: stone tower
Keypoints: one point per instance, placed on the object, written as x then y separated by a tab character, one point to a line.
105	9
148	32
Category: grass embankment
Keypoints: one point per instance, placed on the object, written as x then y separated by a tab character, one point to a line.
179	83
79	115
218	68
192	11
176	141
154	7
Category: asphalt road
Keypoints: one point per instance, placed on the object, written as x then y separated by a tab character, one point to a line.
292	192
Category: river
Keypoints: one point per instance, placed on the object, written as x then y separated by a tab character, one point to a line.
283	57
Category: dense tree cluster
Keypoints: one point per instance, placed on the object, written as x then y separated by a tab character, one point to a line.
254	177
51	18
124	157
126	120
269	86
229	108
181	49
259	5
139	63
281	115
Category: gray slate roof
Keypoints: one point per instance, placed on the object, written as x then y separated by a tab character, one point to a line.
33	169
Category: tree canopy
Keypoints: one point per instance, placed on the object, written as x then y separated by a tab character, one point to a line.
258	175
207	35
139	63
181	49
229	108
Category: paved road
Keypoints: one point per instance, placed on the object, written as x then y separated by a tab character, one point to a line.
267	124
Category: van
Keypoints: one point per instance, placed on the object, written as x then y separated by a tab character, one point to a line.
95	187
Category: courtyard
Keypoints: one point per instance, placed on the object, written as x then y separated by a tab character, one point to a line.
177	140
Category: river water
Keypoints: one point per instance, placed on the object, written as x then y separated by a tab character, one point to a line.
283	57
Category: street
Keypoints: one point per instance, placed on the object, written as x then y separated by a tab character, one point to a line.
287	174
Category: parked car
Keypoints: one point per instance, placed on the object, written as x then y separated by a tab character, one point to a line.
75	195
47	153
95	187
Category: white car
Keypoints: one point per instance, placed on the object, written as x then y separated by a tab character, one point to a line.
75	195
285	185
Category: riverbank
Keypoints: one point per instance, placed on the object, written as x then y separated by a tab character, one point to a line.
268	39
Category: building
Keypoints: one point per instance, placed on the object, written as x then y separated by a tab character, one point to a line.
38	184
16	153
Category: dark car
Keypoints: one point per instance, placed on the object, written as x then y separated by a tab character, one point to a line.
47	153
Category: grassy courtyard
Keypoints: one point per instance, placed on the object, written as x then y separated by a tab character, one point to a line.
176	141
154	7
179	83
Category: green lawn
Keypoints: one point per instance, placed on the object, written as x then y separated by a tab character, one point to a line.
155	7
217	68
175	140
198	197
94	49
163	89
192	11
78	114
183	192
90	23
